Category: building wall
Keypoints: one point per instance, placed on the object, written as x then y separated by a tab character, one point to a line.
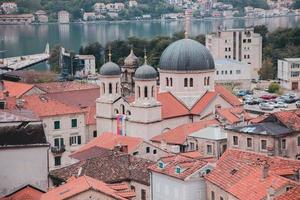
288	72
91	194
210	187
138	187
142	152
65	131
166	187
292	146
22	166
63	17
220	42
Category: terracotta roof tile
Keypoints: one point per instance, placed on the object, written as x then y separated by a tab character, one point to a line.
178	135
203	102
91	115
44	106
17	89
292	194
227	95
79	185
25	193
110	141
290	119
233	115
240	174
188	166
65	86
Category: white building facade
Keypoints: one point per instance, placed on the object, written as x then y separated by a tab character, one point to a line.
237	44
233	72
63	17
288	72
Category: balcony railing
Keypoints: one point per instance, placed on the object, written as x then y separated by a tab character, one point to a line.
58	149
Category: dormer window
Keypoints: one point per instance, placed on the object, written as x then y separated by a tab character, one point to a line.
161	165
178	170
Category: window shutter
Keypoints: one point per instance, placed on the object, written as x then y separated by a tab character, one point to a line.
79	140
70	141
61	141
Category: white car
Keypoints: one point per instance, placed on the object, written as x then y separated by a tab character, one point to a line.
266	106
280	105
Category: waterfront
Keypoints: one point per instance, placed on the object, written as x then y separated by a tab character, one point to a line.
30	39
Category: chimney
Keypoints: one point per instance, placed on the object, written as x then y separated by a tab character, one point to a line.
265	170
118	147
6	93
124	148
270	193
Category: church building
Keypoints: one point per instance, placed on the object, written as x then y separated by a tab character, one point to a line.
187	92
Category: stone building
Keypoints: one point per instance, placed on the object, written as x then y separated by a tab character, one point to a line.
237	44
288	72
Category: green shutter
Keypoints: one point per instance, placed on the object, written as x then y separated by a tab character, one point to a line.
74	123
56	124
79	140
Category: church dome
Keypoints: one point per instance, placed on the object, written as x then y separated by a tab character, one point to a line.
131	59
145	72
110	69
186	55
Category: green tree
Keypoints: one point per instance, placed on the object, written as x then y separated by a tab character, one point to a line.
273	87
296	4
262	30
267	70
54	58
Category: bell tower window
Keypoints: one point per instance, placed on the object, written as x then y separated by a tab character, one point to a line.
185	82
167	81
171	82
191	82
110	88
146	92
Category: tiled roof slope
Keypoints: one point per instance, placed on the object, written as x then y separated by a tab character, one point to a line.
292	194
240	174
27	192
188	166
110	141
16	89
233	115
113	168
227	95
53	87
290	119
79	185
178	135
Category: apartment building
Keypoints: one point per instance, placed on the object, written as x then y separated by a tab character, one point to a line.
288	72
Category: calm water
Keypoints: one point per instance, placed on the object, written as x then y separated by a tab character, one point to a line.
29	39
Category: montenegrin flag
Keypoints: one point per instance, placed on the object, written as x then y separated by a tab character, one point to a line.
121	125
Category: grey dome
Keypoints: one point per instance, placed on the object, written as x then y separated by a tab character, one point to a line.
145	72
110	69
131	59
186	55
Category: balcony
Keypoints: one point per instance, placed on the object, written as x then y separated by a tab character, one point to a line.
58	149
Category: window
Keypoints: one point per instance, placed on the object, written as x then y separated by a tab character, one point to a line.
185	82
230	71
139	91
229	56
238	71
217	72
207	171
103	87
171	82
221	198
249	142
56	124
263	144
152	91
146	92
2	105
110	88
244	40
132	188
143	194
178	170
161	165
248	56
299	141
75	140
225	48
74	123
167	81
123	109
128	113
135	153
58	142
147	149
283	143
117	88
191	82
235	140
249	40
116	111
245	56
212	194
209	149
205	80
226	72
154	151
229	49
226	56
57	160
192	146
94	133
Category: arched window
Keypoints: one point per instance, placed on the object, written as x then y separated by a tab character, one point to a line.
152	91
171	82
103	87
128	112
110	88
191	82
207	80
167	81
117	88
123	109
116	111
126	75
204	81
146	92
139	91
185	82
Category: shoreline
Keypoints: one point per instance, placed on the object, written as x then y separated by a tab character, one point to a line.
152	20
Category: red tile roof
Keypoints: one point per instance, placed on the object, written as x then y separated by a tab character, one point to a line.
259	119
76	186
25	193
290	119
227	95
110	141
65	86
240	174
187	165
17	89
178	135
203	102
292	194
171	106
44	106
233	115
91	115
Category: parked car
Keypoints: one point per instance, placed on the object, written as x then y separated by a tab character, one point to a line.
268	97
280	104
266	106
298	104
290	100
241	93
